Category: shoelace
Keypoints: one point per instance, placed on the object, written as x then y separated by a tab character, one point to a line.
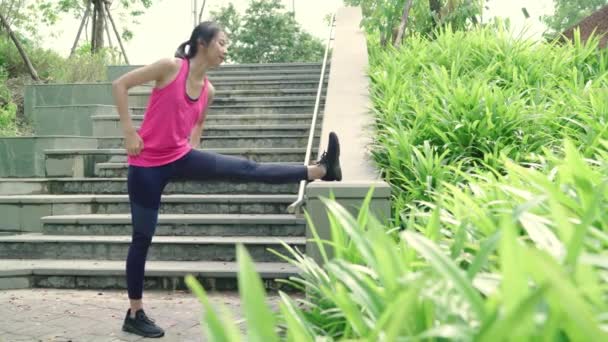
323	157
146	318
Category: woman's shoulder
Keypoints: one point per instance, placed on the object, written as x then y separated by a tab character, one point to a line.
170	64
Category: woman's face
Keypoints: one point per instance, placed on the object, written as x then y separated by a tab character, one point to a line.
216	52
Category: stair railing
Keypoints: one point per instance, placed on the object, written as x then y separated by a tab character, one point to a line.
295	206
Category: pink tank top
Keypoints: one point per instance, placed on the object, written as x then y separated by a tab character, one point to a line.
169	119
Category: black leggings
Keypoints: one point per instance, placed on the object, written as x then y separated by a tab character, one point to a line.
146	184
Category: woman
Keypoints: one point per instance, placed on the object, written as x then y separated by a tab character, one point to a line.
163	149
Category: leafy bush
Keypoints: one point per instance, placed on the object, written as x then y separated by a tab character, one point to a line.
461	102
8	109
497	150
381	18
518	257
283	39
51	68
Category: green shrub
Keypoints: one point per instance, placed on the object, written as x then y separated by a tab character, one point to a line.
51	68
515	257
466	99
8	109
497	150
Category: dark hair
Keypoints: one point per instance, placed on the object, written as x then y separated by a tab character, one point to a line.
204	33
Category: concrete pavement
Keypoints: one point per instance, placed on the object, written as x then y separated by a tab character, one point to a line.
92	316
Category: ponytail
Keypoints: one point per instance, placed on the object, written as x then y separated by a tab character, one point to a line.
181	50
202	33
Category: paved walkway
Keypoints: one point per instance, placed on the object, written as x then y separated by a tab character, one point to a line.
91	316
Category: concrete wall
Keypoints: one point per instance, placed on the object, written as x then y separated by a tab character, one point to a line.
66	94
24	156
347	112
68	119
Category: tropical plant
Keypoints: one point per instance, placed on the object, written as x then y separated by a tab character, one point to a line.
283	39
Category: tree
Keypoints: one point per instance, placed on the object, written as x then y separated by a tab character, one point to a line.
403	25
387	20
22	52
30	17
266	33
568	13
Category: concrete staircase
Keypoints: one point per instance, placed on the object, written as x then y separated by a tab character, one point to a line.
71	228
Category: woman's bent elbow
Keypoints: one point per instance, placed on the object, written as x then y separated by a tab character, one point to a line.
119	88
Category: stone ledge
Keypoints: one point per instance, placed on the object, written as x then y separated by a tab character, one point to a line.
50	199
20	274
179	240
178	219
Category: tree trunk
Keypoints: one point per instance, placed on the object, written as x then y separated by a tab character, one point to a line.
435	7
122	48
29	65
9	12
200	14
82	24
403	25
108	34
98	26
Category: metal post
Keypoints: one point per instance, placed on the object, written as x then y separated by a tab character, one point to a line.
194	11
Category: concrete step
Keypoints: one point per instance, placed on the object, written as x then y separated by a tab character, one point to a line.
164	248
227	72
142	100
86	162
139	97
23	213
225	130
267	100
106	122
107	274
178	225
68	186
252	141
263	85
116	169
219	93
260	78
251	109
114	71
254	83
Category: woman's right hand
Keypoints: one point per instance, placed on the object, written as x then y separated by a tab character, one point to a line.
133	143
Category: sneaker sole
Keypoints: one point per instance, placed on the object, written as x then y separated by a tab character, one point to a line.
128	329
337	169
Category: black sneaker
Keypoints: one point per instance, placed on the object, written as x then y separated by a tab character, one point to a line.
331	159
141	325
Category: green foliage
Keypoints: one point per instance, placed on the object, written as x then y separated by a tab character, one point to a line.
381	18
8	109
36	16
497	151
515	257
81	67
51	67
568	13
84	67
463	101
267	34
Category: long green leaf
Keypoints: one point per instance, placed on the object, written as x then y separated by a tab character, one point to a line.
450	272
261	323
218	330
565	297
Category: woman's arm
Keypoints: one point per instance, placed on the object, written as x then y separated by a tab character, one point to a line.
159	72
197	131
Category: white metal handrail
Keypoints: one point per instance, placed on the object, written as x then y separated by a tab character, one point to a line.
298	203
